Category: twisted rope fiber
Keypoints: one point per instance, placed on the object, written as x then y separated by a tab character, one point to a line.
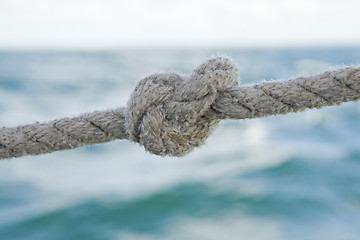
170	114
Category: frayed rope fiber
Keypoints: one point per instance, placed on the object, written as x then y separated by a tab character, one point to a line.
171	114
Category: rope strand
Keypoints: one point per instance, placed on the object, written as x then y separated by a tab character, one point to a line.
281	97
171	114
61	134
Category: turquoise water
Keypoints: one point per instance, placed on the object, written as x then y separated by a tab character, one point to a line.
295	176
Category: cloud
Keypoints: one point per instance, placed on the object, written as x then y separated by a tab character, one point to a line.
111	23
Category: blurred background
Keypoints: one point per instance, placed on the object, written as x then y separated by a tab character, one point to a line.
293	176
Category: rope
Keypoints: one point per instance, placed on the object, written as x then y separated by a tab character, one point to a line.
170	114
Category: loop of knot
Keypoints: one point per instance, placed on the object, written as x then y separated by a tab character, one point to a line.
170	114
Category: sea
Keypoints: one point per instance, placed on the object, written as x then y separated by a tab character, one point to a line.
294	176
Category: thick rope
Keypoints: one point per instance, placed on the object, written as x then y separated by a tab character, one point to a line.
170	114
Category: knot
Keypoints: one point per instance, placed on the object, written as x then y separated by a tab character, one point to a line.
170	114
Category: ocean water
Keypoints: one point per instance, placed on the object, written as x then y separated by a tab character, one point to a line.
294	176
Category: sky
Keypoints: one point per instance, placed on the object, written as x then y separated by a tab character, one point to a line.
102	24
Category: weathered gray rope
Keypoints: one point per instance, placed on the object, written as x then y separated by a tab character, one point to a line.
170	114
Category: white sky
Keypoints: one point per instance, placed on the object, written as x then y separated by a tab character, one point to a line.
185	23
